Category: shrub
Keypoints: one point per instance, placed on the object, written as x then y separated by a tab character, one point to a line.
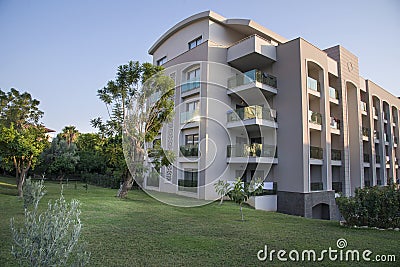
33	193
49	238
372	206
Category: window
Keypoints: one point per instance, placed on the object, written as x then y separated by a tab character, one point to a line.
192	106
189	182
193	74
195	42
161	61
191	139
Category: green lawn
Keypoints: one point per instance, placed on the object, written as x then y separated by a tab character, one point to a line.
140	231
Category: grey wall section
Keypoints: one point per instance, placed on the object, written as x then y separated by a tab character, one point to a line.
290	170
302	204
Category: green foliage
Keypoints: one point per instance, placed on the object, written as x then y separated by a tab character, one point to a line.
239	191
222	188
33	193
120	95
372	206
61	158
49	238
19	109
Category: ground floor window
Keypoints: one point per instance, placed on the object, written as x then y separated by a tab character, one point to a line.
189	182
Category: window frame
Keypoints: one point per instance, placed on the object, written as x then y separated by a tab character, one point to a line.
161	61
195	42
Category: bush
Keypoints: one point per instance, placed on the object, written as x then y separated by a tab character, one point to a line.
49	238
103	180
372	206
33	193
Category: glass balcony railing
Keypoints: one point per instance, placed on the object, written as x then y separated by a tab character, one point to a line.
187	185
376	134
189	150
317	186
385	138
252	76
374	112
337	186
367	158
190	85
251	150
313	84
336	154
335	123
251	112
333	93
316	152
190	116
363	106
365	131
314	117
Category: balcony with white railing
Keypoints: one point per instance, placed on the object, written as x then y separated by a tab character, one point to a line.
363	107
315	120
252	115
313	86
251	50
335	126
333	95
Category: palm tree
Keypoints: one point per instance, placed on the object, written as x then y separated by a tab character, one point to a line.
69	134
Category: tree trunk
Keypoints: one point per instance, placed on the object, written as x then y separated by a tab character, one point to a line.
241	212
20	184
127	185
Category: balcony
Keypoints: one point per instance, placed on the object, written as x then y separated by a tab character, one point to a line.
190	85
378	159
335	126
189	150
313	85
187	185
316	155
385	117
190	116
376	136
367	158
318	186
365	133
385	139
250	51
333	95
337	186
251	153
252	115
315	119
374	113
247	82
395	141
336	155
363	107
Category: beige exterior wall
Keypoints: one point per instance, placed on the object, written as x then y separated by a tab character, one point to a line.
345	127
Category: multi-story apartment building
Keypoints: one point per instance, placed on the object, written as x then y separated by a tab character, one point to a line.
334	130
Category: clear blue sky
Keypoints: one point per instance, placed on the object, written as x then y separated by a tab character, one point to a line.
62	52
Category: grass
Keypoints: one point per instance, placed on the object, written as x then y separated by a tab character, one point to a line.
140	231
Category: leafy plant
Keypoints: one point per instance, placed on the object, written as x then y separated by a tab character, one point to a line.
372	206
240	192
33	193
222	188
49	238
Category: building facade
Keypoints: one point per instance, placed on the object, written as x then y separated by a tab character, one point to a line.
312	125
